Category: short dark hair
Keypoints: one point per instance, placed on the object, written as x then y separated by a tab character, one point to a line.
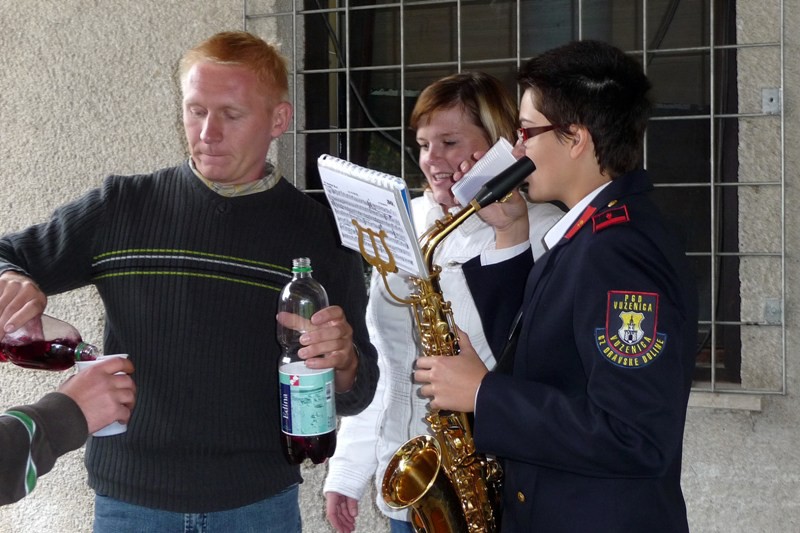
595	85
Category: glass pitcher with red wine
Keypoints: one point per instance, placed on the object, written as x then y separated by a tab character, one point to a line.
46	343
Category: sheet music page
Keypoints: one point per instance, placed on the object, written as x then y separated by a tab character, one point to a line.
496	160
377	201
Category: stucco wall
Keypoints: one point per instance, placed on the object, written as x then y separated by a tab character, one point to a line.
742	468
87	88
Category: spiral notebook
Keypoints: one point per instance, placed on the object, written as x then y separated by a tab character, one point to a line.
377	201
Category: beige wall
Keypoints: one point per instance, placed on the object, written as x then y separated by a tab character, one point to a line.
87	89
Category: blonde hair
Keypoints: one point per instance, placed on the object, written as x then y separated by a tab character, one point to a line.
244	49
483	98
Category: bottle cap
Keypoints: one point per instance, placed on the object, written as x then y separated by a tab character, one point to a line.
301	264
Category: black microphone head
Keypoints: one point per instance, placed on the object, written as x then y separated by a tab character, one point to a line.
502	184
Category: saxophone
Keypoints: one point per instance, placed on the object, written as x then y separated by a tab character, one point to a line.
448	486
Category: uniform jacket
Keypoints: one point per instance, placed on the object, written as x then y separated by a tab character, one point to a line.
588	415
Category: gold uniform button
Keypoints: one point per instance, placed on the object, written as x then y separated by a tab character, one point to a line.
521	497
612	203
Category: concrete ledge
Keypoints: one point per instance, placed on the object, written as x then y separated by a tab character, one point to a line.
716	400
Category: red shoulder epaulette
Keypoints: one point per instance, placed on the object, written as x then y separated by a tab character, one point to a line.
610	217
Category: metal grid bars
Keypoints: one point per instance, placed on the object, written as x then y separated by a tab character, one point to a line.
714	147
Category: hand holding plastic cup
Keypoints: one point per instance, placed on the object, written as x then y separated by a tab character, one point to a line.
114	428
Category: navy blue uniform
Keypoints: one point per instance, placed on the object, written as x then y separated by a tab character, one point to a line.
588	416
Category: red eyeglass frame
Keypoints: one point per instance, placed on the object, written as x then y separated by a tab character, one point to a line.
523	134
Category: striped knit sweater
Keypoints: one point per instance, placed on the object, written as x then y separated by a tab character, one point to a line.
190	282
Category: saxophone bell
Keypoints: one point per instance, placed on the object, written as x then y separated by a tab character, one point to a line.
415	478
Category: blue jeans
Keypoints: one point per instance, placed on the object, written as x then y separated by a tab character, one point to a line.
278	514
400	526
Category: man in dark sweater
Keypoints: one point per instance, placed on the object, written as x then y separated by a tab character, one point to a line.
189	262
33	436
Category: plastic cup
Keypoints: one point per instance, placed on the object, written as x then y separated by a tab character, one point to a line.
114	428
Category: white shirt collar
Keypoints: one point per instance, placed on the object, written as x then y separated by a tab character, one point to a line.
561	227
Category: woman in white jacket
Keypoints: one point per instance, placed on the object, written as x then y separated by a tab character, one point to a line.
454	118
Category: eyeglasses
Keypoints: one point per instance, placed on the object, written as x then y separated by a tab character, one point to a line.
523	134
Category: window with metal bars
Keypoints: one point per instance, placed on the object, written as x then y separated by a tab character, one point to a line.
714	146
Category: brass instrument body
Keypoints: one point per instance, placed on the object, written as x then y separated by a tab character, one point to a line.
448	486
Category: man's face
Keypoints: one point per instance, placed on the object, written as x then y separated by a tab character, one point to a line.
230	120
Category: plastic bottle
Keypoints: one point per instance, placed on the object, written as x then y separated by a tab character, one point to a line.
307	402
46	343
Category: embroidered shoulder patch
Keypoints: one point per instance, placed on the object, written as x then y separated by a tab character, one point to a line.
611	217
630	338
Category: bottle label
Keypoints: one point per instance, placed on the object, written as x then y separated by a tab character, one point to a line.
308	406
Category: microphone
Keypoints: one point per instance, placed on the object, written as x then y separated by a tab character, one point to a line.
499	186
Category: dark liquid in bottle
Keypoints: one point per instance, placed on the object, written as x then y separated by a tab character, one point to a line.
317	447
57	354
